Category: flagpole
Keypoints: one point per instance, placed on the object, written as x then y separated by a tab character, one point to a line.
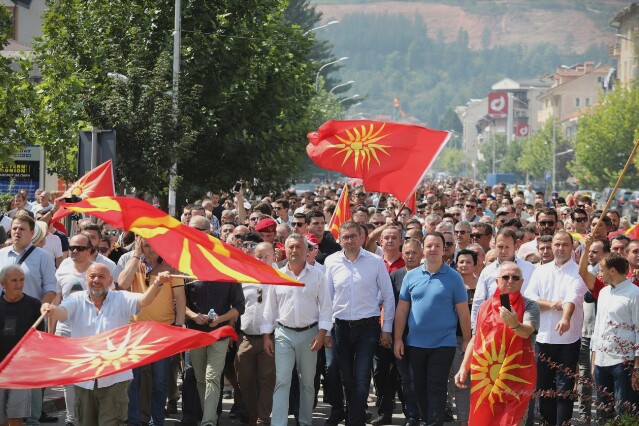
614	190
39	320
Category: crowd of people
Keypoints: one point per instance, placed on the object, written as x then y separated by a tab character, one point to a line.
400	297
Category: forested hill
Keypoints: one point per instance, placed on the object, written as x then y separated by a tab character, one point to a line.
435	55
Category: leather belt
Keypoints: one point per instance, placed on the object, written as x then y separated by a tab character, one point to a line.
358	323
308	327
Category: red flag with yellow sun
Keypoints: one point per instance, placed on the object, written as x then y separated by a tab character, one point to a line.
96	182
186	249
42	360
503	369
341	214
388	157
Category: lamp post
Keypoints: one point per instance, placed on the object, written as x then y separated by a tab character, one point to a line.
321	26
349	98
341	85
343	58
177	43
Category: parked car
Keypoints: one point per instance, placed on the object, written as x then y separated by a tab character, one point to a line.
620	198
630	207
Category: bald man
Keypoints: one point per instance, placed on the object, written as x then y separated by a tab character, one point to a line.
93	311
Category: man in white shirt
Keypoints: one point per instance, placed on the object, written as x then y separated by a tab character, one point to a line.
615	340
359	284
505	244
92	231
303	316
251	360
559	290
90	312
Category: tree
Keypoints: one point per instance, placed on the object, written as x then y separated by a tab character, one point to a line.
15	91
245	87
605	138
536	154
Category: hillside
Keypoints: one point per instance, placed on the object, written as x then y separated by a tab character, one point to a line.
571	25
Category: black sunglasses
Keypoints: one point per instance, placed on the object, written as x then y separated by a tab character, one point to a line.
103	250
78	248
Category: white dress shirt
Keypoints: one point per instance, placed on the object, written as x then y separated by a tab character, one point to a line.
359	287
85	320
487	284
299	307
616	336
253	316
550	282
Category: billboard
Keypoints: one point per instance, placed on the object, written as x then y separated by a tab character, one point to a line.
498	104
522	130
27	172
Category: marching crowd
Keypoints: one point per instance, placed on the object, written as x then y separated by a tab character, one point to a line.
479	302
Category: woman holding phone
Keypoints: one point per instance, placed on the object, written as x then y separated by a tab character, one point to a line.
500	356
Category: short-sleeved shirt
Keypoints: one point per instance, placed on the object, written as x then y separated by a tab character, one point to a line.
15	320
532	313
69	281
85	320
39	270
432	319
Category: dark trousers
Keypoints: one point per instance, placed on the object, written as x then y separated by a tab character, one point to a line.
385	379
614	390
411	410
355	349
430	372
333	392
556	367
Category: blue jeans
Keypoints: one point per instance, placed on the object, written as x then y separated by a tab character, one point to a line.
557	397
333	392
430	371
411	410
614	390
355	349
160	371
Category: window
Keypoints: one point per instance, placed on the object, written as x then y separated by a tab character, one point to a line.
587	101
13	13
577	102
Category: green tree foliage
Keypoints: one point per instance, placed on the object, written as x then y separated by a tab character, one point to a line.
506	155
14	96
245	87
605	138
536	154
429	75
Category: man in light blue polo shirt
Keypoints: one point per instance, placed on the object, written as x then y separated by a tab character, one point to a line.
433	299
94	311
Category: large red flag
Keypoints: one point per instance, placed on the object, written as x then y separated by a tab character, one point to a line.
186	249
633	232
341	214
96	182
389	157
42	360
503	367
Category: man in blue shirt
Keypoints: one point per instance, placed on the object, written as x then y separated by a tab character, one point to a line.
433	299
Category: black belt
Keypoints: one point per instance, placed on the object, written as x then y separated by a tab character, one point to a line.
358	323
308	327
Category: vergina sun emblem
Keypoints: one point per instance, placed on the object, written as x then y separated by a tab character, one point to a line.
492	369
362	144
111	356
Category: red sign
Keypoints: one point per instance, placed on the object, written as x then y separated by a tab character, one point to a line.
498	104
523	130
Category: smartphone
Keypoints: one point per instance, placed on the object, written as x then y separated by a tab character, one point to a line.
505	301
238	186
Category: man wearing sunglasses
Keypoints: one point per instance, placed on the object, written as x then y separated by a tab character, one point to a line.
559	290
580	219
71	278
299	223
546	221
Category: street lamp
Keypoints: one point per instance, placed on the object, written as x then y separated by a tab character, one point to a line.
321	26
341	85
349	98
343	58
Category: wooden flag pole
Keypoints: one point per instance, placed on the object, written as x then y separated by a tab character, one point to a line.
39	320
614	190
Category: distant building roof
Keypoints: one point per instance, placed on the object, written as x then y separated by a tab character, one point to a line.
616	21
13	49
